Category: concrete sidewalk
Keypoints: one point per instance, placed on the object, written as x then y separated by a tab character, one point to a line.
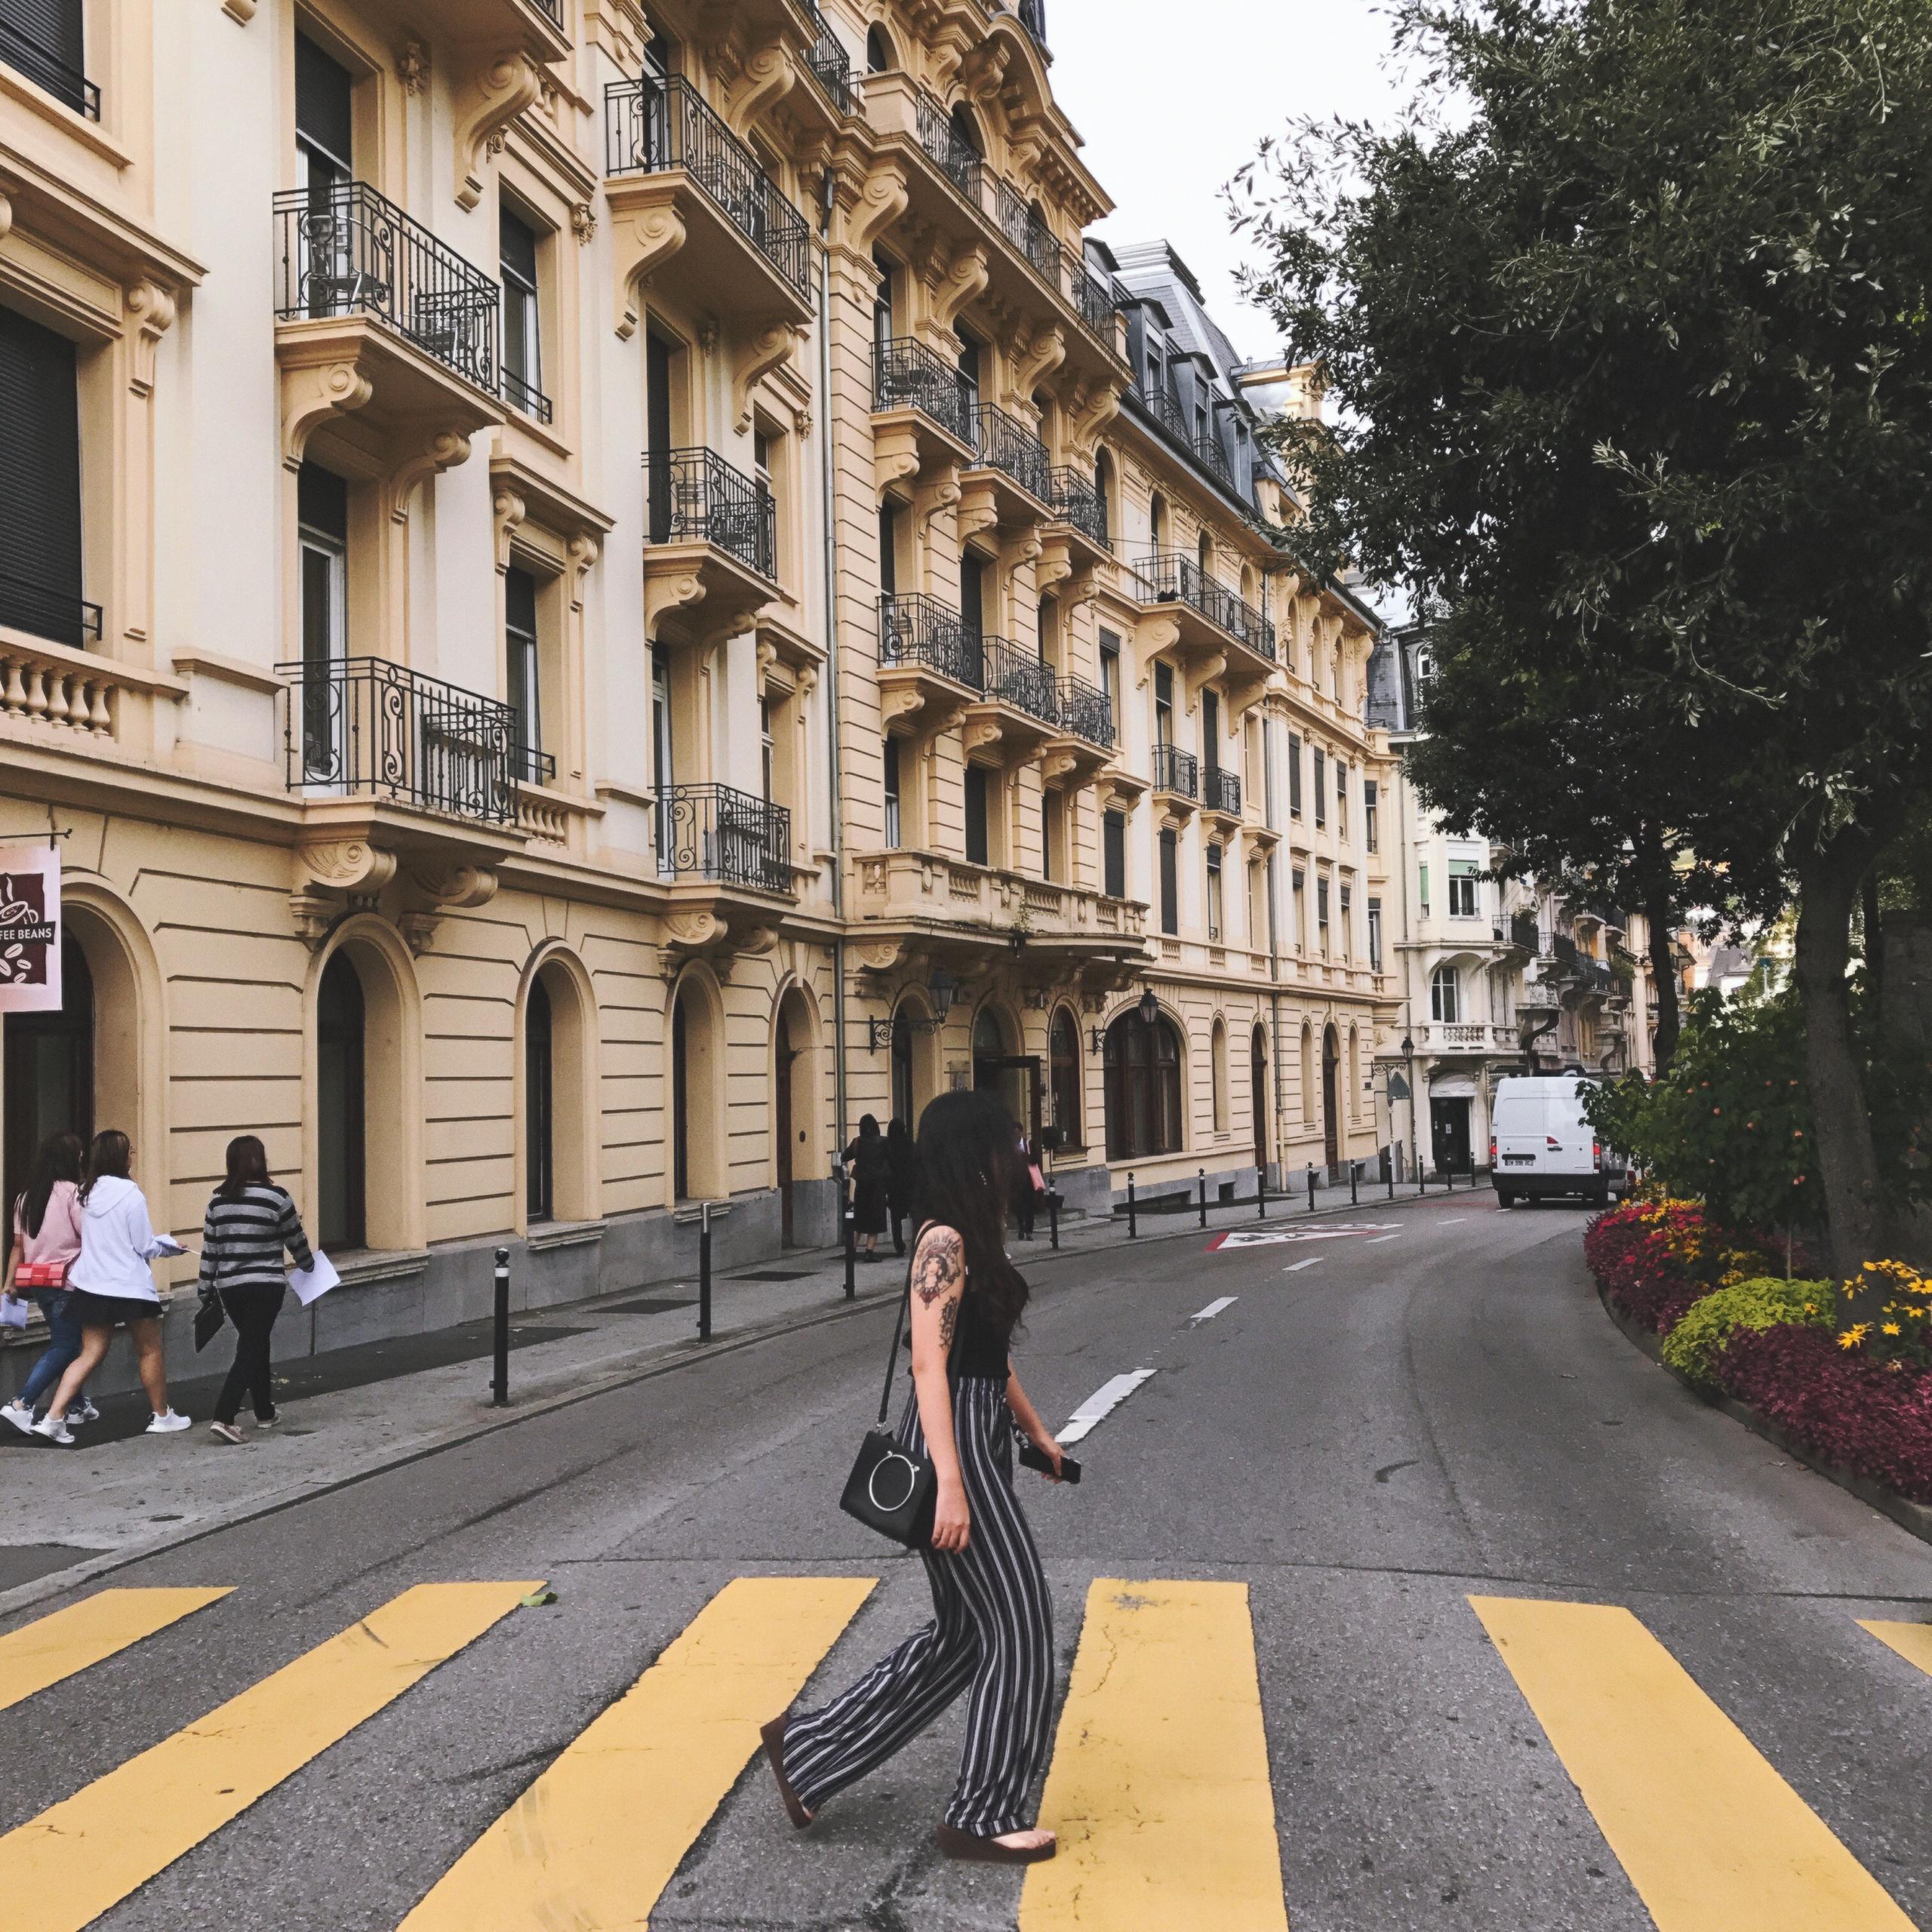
76	1512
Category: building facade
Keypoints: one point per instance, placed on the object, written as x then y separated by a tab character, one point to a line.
592	592
1495	976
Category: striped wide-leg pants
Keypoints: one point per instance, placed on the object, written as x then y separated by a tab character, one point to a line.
991	1630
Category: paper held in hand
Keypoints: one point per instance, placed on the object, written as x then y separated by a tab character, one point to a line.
311	1284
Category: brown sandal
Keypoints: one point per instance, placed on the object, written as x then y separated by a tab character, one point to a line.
956	1844
773	1734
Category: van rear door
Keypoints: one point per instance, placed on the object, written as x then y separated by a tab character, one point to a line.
1569	1140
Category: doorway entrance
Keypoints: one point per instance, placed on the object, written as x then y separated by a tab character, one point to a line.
1449	1135
50	1071
341	1173
1331	1123
782	1125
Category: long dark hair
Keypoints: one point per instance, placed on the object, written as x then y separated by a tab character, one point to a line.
111	1154
248	1167
59	1159
967	1149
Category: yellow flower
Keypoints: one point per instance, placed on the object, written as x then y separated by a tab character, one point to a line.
1891	1328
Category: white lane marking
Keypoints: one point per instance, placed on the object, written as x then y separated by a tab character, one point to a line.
1213	1309
1380	1238
1296	1267
1452	1221
1240	1238
1101	1403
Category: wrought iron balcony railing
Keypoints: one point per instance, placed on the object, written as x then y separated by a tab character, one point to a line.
714	832
526	397
1222	790
24	54
957	159
28	605
1075	501
347	250
1093	299
1026	228
1005	443
1017	678
652	125
695	497
1202	440
917	629
1087	712
907	374
1170	576
1209	447
831	65
1176	771
365	728
1523	933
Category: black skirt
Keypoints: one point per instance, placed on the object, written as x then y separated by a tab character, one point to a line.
869	1207
113	1311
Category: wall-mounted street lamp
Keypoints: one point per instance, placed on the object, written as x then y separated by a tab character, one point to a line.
1148	1008
941	990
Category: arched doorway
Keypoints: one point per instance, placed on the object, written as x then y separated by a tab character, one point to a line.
50	1070
680	1139
1142	1067
700	1169
1331	1125
794	1091
1063	1063
997	1065
1257	1092
341	1144
539	1090
904	1106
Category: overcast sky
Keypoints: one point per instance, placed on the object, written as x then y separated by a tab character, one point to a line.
1172	99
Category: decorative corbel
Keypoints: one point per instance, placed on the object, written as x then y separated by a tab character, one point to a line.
6	215
933	499
344	866
771	345
455	884
1054	566
412	65
665	593
1092	411
583	221
150	308
584	552
647	232
240	11
979	734
509	510
965	280
1057	765
767	78
983	71
442	450
765	656
979	508
312	395
898	701
509	84
692	930
878	955
882	199
1044	353
1204	673
1158	634
895	456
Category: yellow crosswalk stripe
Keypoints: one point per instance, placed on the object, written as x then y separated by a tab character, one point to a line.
591	1843
1913	1641
43	1652
1159	1787
1712	1838
62	1870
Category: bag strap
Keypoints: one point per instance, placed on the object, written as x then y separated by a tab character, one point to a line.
898	1326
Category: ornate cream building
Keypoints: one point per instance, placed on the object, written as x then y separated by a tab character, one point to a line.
594	591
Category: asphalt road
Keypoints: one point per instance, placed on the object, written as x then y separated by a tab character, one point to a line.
1364	1443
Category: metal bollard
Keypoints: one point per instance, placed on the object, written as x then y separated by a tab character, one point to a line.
1311	1188
499	1382
704	1272
1053	1216
851	1254
1132	1225
1261	1194
1201	1181
1355	1181
1421	1177
1391	1180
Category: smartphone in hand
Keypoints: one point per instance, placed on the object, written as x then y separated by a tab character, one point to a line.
1033	1458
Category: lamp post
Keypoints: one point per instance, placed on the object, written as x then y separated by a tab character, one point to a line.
1409	1059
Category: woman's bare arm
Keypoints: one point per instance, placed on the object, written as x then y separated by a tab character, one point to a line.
1031	1426
939	1281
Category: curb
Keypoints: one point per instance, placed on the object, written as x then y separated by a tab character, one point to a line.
1914	1517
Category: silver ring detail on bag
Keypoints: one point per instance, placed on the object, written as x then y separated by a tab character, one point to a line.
912	1483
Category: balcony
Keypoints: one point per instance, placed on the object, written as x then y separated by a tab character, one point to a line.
1208	617
929	666
711	544
1221	791
359	284
1026	228
526	399
56	615
23	53
1196	438
1083	741
1177	773
956	157
732	837
1078	505
679	182
365	728
1020	709
1010	469
829	64
923	411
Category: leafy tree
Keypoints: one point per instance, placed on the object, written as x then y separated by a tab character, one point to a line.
1629	332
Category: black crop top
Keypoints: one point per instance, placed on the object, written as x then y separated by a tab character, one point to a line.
978	1348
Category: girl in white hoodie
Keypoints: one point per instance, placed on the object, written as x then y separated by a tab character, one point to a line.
114	1286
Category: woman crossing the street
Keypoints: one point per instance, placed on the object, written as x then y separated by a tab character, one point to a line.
991	1632
250	1221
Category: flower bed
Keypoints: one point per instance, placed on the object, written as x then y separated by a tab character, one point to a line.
1859	1398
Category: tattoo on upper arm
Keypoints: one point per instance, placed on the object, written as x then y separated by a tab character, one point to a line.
949	1320
941	1267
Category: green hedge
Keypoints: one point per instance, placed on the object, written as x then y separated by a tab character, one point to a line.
1692	1346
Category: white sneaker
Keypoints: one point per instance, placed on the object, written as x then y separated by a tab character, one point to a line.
17	1412
55	1429
85	1411
167	1424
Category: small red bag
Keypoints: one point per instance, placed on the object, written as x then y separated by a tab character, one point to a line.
42	1274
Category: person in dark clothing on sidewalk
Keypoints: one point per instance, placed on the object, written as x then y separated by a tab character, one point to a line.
871	1172
249	1222
903	1186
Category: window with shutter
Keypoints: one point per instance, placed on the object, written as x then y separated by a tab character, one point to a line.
1170	884
40	486
44	39
1114	843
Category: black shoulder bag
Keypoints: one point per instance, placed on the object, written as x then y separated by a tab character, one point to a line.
889	1490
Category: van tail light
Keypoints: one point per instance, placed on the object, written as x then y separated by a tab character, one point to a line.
1492	1150
1555	1146
1596	1152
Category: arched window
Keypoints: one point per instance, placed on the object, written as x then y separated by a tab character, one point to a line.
1257	1092
1103	489
1063	1056
965	130
903	1106
1143	1072
1445	995
538	1140
879	58
342	1175
1355	1075
1157	520
1204	551
1217	1053
49	1067
1307	1074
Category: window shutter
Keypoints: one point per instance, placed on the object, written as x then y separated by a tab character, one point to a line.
40	482
1170	884
1114	828
1294	773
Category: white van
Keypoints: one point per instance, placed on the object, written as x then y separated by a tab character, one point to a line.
1540	1144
